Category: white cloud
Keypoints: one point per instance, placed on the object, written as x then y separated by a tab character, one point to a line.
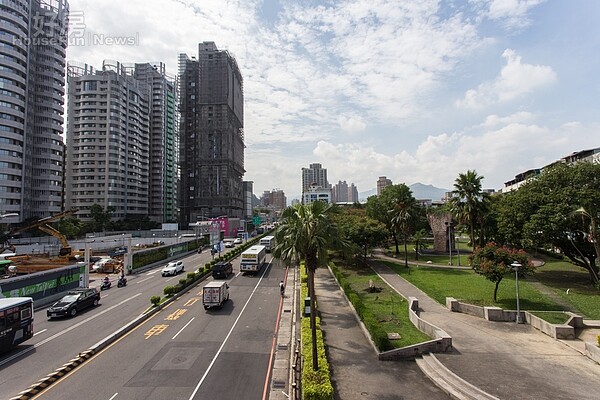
514	81
518	117
497	153
387	69
351	124
513	13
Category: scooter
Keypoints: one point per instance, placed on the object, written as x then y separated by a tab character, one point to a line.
122	282
105	285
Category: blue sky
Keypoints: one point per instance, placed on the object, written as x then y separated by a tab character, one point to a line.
418	91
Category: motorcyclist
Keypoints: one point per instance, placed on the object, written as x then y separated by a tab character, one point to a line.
122	280
106	281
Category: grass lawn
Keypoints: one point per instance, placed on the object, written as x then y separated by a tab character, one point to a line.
467	286
558	275
554	317
382	312
427	254
562	275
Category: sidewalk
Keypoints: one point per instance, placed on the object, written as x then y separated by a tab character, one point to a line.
357	374
506	360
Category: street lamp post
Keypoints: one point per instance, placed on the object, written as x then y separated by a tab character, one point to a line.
458	250
516	267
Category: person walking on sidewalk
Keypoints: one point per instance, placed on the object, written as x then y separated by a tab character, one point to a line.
282	288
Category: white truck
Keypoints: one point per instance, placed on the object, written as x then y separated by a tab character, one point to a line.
215	294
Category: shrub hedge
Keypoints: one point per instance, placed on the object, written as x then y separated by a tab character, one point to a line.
316	385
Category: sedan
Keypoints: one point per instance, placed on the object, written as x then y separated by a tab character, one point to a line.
74	301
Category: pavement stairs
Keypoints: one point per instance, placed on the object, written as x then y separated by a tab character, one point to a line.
449	382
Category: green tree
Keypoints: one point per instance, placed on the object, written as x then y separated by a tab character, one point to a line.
559	208
394	208
418	239
404	216
306	232
493	262
71	227
469	203
101	218
363	232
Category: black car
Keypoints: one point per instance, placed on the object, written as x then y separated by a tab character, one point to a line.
222	269
74	301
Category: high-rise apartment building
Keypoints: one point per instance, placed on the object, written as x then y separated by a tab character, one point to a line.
342	193
33	44
248	189
352	193
164	140
274	199
314	175
381	183
211	135
107	141
339	192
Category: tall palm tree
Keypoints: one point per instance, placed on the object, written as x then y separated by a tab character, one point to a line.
306	233
403	215
469	202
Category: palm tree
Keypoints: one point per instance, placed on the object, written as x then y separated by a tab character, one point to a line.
469	203
306	233
403	214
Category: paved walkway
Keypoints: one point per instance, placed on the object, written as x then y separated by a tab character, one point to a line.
357	374
507	360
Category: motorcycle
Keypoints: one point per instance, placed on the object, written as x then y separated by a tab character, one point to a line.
122	282
105	285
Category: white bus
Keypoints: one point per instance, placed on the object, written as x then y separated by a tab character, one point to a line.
253	258
268	242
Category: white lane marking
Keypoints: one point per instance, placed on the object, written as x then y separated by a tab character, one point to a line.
143	280
181	330
227	337
42	331
113	396
152	272
35	346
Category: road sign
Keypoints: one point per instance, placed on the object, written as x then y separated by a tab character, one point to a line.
256	220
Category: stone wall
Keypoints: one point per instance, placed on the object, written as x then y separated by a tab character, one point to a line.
438	222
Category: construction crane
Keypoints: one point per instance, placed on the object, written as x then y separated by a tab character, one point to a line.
43	225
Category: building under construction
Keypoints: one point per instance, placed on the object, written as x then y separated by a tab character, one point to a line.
211	135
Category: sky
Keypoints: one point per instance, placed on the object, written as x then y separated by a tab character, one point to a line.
417	91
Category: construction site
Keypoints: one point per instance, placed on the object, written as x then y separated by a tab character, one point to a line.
19	260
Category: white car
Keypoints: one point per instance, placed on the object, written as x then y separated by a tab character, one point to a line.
172	268
238	241
229	243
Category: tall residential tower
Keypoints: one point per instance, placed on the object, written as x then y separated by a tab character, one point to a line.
107	141
33	43
211	134
164	140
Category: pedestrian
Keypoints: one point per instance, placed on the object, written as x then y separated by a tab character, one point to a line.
281	288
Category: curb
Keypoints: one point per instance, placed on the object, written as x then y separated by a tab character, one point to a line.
54	376
85	355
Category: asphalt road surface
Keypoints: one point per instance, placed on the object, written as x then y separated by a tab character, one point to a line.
59	340
186	352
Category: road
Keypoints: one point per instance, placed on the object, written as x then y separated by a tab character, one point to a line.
185	352
58	341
